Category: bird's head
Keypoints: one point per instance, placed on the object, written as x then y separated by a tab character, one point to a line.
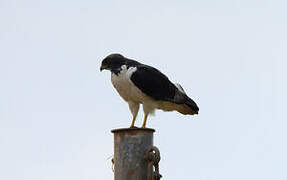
113	62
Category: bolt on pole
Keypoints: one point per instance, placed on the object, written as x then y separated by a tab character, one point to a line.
132	152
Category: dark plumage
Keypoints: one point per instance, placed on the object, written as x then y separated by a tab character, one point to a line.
142	84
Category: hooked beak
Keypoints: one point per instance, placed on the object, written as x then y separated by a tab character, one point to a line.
103	67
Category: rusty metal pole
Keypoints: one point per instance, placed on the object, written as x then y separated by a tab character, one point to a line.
130	148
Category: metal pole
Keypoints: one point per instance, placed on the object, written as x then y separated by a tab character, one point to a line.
130	148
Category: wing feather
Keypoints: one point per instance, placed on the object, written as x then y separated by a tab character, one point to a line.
153	83
156	85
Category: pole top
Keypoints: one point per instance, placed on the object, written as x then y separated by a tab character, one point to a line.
132	130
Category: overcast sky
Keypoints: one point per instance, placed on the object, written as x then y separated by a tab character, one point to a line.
57	109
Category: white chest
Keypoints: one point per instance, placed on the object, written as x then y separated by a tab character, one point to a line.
125	87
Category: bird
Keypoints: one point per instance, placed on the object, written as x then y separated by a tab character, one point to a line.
138	83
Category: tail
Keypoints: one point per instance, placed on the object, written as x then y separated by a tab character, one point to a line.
188	105
192	105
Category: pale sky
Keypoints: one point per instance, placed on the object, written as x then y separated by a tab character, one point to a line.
57	109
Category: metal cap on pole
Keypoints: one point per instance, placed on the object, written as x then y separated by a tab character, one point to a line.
134	154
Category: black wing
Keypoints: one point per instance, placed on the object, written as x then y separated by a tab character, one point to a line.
153	83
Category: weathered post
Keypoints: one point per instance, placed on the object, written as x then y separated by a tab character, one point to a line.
133	154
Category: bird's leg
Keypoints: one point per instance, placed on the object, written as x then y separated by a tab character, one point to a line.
133	122
144	123
134	107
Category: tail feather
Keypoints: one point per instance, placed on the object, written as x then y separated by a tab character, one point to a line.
187	105
191	104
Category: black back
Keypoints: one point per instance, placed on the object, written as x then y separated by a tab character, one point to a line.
153	83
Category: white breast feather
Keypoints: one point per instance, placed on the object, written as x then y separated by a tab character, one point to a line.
125	87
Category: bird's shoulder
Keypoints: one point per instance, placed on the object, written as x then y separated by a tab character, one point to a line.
153	82
145	70
132	63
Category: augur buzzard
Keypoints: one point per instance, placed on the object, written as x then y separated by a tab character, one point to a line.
138	83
